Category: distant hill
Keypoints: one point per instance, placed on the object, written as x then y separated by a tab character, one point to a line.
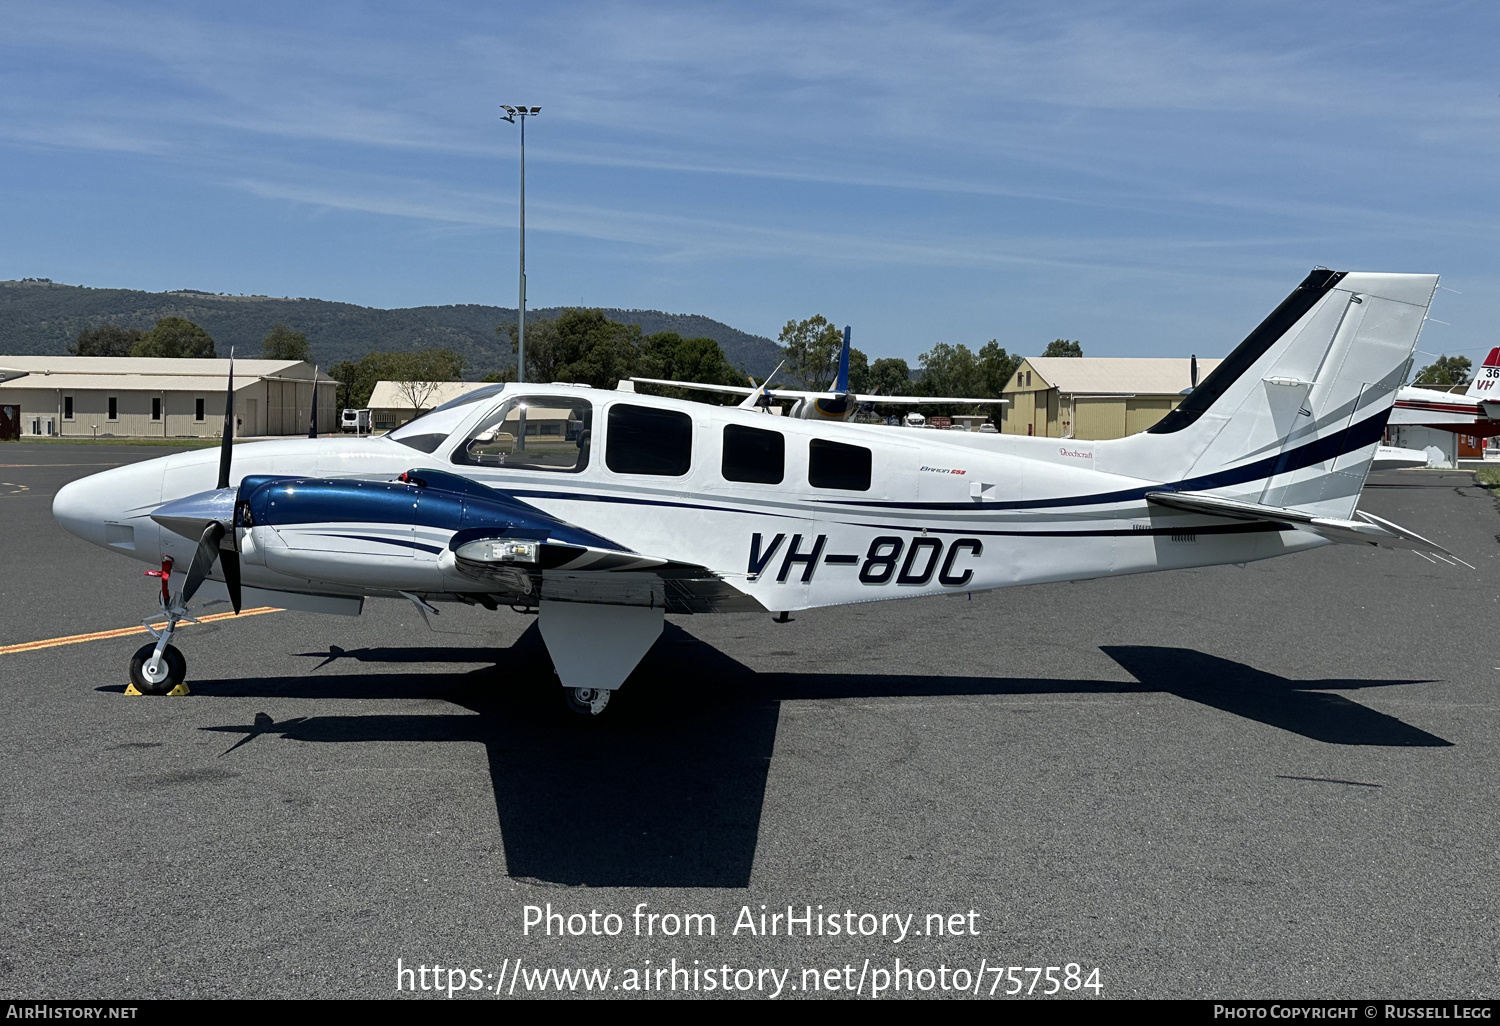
40	318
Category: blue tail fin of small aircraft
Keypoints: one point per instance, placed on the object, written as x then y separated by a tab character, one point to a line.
841	383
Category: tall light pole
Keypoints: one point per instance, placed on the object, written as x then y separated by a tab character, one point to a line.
511	113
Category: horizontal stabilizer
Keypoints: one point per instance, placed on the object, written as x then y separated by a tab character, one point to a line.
1367	530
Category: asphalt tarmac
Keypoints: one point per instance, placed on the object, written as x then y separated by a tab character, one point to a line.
1275	781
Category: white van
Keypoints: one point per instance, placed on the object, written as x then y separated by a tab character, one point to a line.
357	421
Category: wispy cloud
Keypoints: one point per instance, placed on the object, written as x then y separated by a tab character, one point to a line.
668	237
1098	138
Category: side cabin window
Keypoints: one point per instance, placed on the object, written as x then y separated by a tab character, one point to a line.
534	432
753	455
836	465
645	440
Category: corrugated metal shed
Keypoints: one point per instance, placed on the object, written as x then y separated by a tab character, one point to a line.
1104	375
155	367
134	382
1095	397
87	396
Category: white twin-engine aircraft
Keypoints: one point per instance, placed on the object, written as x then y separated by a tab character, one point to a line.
604	510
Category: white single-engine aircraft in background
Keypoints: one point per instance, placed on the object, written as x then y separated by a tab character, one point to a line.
1475	412
604	509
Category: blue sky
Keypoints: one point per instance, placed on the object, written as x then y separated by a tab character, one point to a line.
1148	178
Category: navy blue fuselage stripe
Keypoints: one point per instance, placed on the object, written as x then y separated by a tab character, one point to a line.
1322	450
1244	527
388	541
286	501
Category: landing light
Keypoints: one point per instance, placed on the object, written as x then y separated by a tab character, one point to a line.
504	551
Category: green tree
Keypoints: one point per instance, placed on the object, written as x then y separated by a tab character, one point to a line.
1063	347
812	351
417	375
1446	370
859	370
587	347
949	370
668	355
282	343
105	340
541	348
350	394
888	375
996	367
175	338
958	371
593	350
583	346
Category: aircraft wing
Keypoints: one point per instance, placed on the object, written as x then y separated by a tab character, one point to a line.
730	389
483	542
570	572
1367	530
793	393
918	400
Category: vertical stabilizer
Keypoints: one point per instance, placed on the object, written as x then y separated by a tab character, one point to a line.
1486	383
1293	416
841	383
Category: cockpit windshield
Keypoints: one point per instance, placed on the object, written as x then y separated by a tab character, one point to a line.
532	432
427	431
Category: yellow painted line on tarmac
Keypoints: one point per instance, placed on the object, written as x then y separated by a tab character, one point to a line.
76	639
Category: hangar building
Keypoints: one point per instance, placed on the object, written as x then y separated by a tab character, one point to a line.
131	397
1094	397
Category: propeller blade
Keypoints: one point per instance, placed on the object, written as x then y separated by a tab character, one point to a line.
227	445
203	560
312	429
231	561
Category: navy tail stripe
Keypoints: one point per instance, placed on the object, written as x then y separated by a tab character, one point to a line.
1292	309
1320	450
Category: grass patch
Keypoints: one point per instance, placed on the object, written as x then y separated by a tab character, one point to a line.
175	443
1488	476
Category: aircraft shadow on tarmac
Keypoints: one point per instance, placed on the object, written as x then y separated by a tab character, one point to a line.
667	789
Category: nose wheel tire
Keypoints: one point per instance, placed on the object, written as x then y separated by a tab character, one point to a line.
167	675
586	701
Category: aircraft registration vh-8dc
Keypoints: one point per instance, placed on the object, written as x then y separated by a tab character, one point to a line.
602	510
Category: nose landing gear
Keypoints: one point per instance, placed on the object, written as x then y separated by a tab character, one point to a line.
153	674
159	668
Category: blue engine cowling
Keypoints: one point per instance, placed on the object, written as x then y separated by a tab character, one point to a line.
392	534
